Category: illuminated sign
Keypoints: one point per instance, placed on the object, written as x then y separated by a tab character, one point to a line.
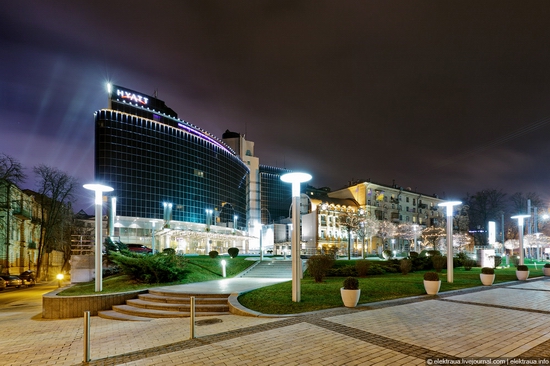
132	97
492	232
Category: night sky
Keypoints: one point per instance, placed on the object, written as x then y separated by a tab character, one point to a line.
444	97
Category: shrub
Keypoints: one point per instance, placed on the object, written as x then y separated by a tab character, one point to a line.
343	271
488	270
439	262
387	254
498	260
375	269
169	251
233	252
318	266
413	254
522	267
469	263
362	267
461	258
431	276
432	253
546	265
213	254
351	283
405	265
157	268
515	260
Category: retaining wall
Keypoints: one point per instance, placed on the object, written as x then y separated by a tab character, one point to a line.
62	307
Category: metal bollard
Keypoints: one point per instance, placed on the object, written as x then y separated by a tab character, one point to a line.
86	336
192	317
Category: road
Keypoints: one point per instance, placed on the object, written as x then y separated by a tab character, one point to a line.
25	297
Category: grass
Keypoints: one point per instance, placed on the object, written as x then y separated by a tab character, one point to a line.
326	295
200	269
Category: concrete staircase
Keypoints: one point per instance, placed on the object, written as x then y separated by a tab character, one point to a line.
157	304
270	269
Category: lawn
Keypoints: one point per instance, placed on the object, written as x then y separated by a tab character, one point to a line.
326	295
200	269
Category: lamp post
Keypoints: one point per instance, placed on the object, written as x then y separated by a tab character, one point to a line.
520	219
450	206
295	179
98	189
235	217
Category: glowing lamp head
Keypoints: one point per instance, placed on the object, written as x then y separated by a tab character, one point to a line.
520	218
98	189
449	206
296	179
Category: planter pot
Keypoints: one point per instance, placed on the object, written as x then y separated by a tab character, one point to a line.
432	287
487	279
350	297
522	275
546	271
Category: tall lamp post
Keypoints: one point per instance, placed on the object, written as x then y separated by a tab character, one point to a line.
98	189
295	179
520	230
450	206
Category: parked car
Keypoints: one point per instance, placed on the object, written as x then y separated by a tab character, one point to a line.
138	248
28	278
2	284
12	281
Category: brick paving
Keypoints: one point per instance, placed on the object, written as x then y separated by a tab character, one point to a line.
508	320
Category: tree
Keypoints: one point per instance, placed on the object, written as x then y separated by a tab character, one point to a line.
386	230
408	231
11	173
352	222
369	228
484	206
56	195
432	235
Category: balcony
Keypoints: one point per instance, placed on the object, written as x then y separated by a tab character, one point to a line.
21	213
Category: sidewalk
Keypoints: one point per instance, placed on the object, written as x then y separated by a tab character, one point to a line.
508	320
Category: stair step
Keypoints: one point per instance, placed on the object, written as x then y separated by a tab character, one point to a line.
178	307
182	299
153	313
115	315
185	295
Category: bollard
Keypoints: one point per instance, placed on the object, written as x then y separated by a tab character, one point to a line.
192	317
86	336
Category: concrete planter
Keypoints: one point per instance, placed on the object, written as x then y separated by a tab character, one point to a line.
546	271
522	275
432	287
487	279
350	297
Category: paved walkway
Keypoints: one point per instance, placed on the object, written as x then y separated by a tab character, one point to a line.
510	320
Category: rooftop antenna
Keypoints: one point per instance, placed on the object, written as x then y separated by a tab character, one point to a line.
156	93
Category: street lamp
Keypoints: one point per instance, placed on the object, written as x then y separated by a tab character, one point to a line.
235	217
98	189
449	206
520	230
295	179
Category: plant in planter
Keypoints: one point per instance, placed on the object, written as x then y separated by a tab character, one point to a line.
350	292
487	276
546	269
522	272
432	283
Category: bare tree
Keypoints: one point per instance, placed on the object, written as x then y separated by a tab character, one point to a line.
386	230
11	170
432	235
369	228
484	206
56	195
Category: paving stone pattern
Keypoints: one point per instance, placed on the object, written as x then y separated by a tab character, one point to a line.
509	320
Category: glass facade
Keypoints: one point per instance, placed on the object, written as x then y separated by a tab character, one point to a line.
150	157
276	195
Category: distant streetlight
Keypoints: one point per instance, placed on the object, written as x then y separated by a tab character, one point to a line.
98	189
450	206
295	179
520	230
235	217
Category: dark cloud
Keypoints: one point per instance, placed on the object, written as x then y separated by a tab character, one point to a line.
442	97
